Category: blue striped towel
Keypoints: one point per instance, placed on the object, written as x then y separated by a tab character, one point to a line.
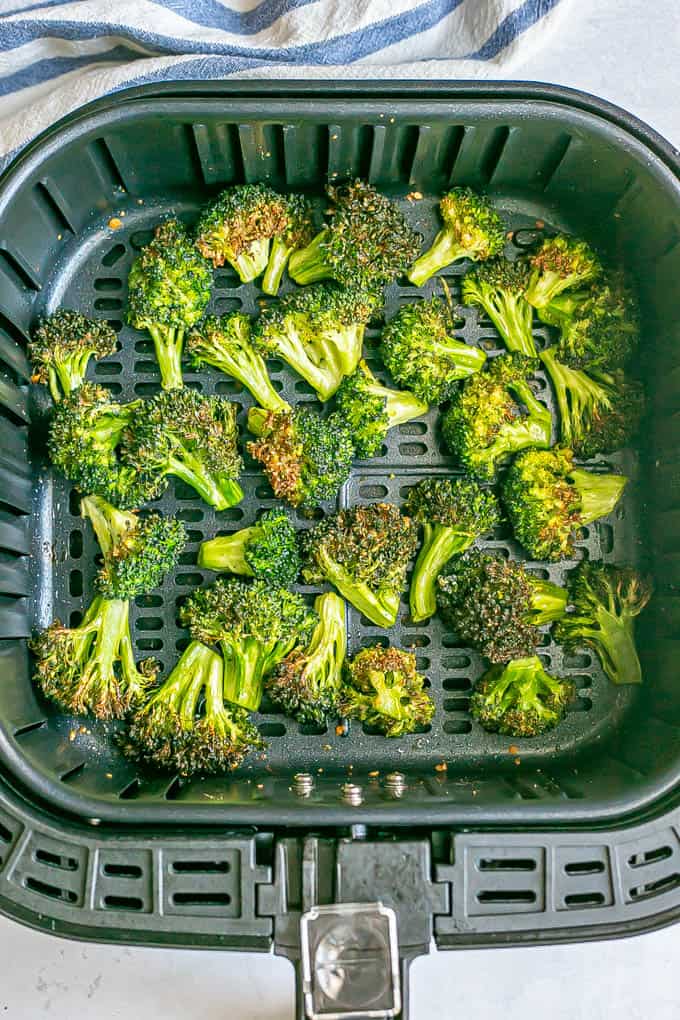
56	55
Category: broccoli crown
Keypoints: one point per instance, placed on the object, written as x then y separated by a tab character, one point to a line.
238	219
613	422
371	409
496	606
384	690
520	699
325	306
420	352
605	601
456	503
472	230
306	684
561	263
299	227
495	275
494	414
169	283
602	329
268	550
62	346
498	288
306	458
183	433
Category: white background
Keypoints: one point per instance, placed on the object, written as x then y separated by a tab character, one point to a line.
626	51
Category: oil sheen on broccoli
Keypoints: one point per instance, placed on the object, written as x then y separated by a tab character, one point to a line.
371	409
238	228
297	233
384	690
267	549
61	348
520	699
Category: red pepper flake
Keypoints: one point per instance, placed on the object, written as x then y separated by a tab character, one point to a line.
513	749
441	767
539	224
115	223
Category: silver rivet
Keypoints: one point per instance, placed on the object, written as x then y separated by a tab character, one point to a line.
303	784
352	794
395	784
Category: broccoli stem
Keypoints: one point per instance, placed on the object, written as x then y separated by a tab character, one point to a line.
599	493
400	405
544	286
440	543
66	376
443	251
548	602
344	348
99	690
257	417
278	258
168	343
578	397
380	608
109	523
614	641
387	699
320	367
512	316
244	663
251	263
227	552
308	265
250	370
219	492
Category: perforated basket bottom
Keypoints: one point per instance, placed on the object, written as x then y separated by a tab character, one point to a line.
92	278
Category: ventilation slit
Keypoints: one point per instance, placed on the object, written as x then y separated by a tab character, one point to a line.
106	165
493	154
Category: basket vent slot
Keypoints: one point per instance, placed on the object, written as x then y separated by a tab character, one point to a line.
56	860
659	853
112	870
585	899
201	899
506	896
584	867
657	888
123	903
55	892
507	864
201	867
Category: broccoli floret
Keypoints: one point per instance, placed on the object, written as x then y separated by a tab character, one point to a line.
179	730
238	227
494	414
561	263
62	346
371	409
384	690
605	601
453	514
268	550
168	292
306	458
91	667
319	331
138	551
421	353
297	233
306	684
472	230
195	438
496	606
225	344
254	624
84	436
547	500
364	553
498	288
367	243
520	699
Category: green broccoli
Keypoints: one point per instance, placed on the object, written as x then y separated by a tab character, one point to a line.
498	287
268	550
384	690
520	699
62	346
296	234
561	263
238	227
371	409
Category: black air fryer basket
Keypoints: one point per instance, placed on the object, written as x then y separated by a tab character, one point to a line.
449	833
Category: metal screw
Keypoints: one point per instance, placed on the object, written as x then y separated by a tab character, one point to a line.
352	794
303	784
395	784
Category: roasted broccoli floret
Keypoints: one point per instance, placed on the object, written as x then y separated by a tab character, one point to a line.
384	690
371	409
62	346
496	605
225	344
185	725
605	601
367	242
498	288
255	625
137	551
84	436
306	458
238	227
547	500
561	263
297	233
195	438
494	414
472	230
168	292
421	353
306	684
453	514
364	553
319	331
520	699
268	550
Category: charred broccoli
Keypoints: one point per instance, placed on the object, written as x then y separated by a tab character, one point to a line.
498	287
364	553
306	458
297	233
254	624
306	684
547	500
371	409
384	690
605	601
238	227
472	230
561	263
268	550
520	699
168	292
367	243
453	514
421	353
494	414
496	606
62	346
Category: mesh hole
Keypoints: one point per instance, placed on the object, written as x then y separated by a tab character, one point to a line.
75	583
457	683
272	729
148	601
108	283
75	544
149	623
459	726
113	255
456	704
